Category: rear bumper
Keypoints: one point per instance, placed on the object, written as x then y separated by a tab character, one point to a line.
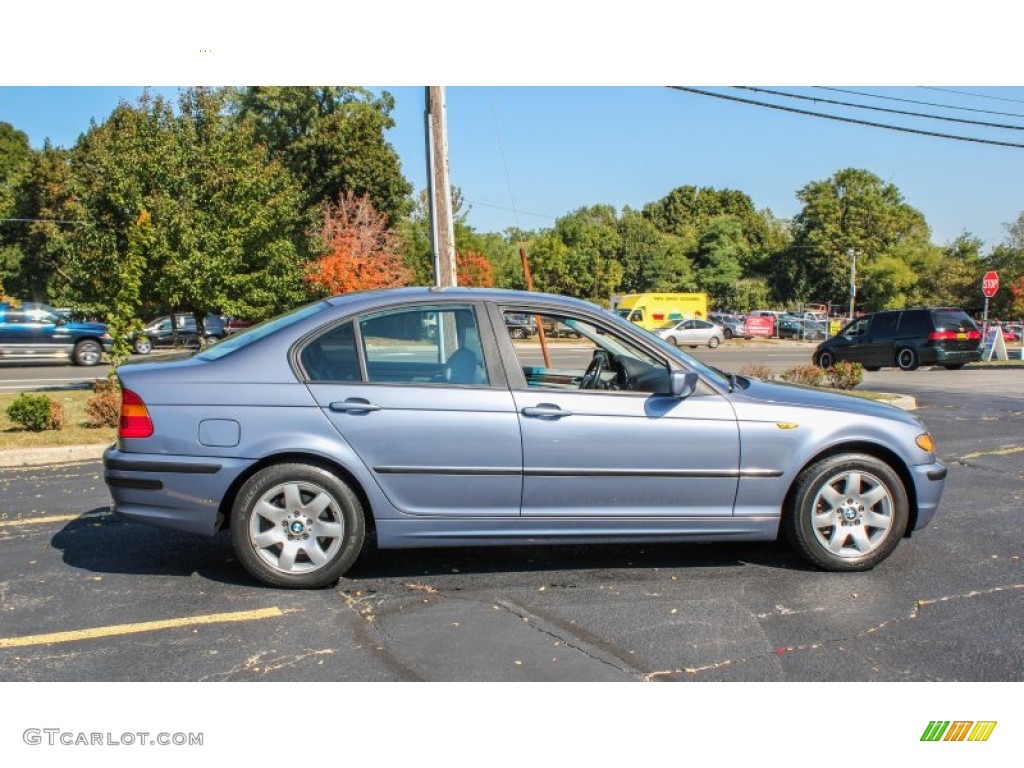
179	492
929	480
939	356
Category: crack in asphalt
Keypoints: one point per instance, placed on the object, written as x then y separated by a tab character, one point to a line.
522	614
914	614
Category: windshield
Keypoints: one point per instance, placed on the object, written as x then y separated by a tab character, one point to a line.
257	332
692	363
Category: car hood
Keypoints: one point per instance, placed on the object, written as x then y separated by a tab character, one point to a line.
813	397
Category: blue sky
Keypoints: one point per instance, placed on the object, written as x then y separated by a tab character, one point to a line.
527	155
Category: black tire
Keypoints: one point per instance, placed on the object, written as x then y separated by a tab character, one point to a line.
289	557
826	360
87	352
906	359
727	332
518	333
142	345
210	340
673	341
953	366
713	342
859	490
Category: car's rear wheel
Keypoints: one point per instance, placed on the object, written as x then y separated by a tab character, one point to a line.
297	526
87	352
825	360
518	333
727	332
713	342
906	359
847	513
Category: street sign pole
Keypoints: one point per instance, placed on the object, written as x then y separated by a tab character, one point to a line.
989	287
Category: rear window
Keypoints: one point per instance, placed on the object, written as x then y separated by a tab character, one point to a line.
257	332
952	320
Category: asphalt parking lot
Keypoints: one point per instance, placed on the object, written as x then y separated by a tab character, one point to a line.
86	597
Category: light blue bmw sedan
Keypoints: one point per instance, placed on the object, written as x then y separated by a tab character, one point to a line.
413	415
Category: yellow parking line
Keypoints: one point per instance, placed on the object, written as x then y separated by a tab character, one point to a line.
1000	452
146	626
51	519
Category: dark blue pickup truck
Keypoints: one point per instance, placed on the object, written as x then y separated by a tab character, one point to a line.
32	331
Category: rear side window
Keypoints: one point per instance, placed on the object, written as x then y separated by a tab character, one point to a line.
915	322
332	356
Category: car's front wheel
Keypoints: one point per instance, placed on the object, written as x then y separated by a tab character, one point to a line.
848	512
297	526
142	345
87	352
825	360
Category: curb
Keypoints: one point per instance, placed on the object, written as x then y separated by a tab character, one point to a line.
61	454
906	402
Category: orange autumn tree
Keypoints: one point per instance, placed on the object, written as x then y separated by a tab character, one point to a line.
361	252
473	270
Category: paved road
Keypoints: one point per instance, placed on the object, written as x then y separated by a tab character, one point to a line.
948	605
55	375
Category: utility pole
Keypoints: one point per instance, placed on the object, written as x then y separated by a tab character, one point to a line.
439	189
853	253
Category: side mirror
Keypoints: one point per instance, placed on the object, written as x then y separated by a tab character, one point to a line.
682	383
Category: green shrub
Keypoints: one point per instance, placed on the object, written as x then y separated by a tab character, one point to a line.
808	375
844	375
757	371
104	407
36	412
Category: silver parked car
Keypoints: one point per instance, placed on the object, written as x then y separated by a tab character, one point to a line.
303	433
692	333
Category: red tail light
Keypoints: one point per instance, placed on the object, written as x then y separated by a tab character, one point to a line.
135	421
942	336
974	335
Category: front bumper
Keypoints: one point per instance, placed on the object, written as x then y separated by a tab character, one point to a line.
183	493
929	480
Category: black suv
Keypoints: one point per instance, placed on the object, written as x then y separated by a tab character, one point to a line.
905	338
160	332
31	331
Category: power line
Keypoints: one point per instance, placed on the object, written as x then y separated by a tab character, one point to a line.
915	101
504	161
845	119
513	210
883	109
975	95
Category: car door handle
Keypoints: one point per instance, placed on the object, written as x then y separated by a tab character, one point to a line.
354	405
545	411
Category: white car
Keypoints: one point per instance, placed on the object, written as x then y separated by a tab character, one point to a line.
692	333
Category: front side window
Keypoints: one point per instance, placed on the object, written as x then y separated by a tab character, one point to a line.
591	358
429	345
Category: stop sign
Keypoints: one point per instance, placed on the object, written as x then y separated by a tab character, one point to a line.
990	284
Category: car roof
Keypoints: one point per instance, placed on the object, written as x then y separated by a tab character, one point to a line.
380	298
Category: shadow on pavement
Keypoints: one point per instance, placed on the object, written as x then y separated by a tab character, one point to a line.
108	545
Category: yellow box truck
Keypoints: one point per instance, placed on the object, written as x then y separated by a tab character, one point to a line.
654	310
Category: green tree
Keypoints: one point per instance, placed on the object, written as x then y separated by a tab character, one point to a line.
720	254
1007	258
332	139
15	154
854	209
652	260
36	249
956	279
